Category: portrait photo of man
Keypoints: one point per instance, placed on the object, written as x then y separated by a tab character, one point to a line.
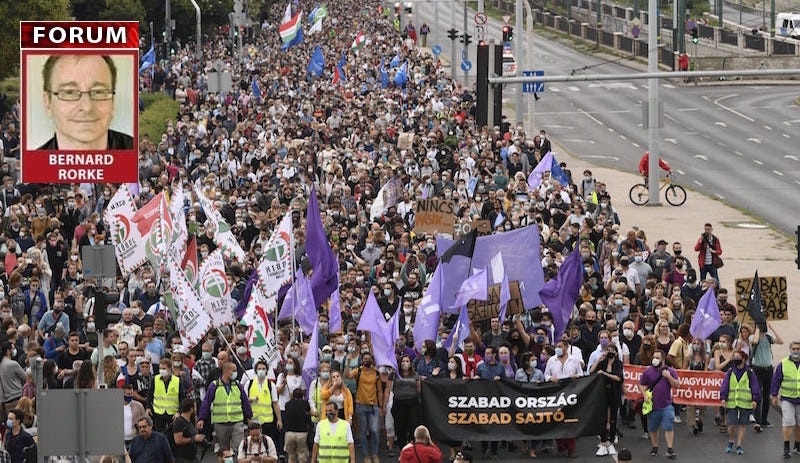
81	96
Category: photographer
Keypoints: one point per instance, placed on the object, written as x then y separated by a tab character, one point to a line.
422	450
257	447
709	251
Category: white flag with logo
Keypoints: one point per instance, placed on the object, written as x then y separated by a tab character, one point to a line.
214	289
179	232
129	246
223	237
260	338
275	268
193	320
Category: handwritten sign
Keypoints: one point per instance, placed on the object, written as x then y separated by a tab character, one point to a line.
774	297
483	226
434	215
484	310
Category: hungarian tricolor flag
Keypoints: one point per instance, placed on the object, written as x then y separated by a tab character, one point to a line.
290	25
358	42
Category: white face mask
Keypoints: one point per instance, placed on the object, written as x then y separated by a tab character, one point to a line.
656	362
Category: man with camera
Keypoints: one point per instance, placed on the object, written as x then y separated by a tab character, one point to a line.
709	251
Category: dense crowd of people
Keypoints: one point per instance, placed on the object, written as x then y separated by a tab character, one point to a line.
258	159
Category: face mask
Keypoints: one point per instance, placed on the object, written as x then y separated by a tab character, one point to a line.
795	356
330	416
696	347
532	364
723	345
648	327
327	357
618	302
323	326
387	292
612	355
261	374
294	354
325	374
290	367
628	333
451	366
90	326
647	292
9	423
128	399
368	363
738	362
559	351
604	343
656	362
637	258
164	372
177	364
504	357
233	376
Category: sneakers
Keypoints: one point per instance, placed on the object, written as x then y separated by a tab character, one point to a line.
717	420
671	454
752	419
602	451
654	452
787	454
767	424
739	450
729	447
757	427
611	449
677	419
699	424
645	435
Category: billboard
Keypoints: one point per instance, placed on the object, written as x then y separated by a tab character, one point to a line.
79	101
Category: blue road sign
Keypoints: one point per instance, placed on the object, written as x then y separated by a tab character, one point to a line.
506	47
464	56
466	65
532	87
436	50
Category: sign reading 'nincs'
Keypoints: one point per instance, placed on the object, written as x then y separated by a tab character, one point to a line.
79	99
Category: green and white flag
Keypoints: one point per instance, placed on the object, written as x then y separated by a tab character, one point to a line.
275	268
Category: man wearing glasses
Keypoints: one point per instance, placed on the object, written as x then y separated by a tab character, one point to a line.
79	98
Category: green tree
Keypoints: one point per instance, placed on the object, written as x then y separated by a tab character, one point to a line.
124	10
11	13
89	10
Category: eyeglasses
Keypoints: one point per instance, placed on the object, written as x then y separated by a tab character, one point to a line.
75	95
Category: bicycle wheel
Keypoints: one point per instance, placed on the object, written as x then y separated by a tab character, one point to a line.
675	195
638	194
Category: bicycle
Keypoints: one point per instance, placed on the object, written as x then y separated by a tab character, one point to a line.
674	194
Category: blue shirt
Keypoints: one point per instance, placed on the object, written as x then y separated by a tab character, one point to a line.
487	371
154	449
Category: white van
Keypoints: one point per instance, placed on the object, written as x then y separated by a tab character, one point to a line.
788	25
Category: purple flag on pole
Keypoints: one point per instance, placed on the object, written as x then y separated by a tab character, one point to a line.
505	297
706	318
520	249
325	278
535	177
299	304
559	294
384	333
311	363
461	329
474	287
242	304
335	313
426	323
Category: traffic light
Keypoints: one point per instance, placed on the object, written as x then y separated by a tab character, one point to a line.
466	39
452	34
508	33
695	37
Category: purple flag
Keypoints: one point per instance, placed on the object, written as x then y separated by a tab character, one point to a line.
520	249
706	318
335	313
242	304
325	278
311	363
474	287
426	323
461	329
384	333
535	177
505	297
299	304
560	293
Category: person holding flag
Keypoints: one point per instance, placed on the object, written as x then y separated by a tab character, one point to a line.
761	361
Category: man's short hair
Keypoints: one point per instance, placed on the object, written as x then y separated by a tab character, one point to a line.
47	70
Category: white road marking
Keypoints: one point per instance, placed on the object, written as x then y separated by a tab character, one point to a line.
698	183
786	135
590	116
739	153
671	140
719	196
756	161
790	156
671	118
579	140
679	171
701	156
726	108
573	88
768	127
777	172
721	124
755	140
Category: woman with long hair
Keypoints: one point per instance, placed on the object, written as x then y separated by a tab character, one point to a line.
722	360
109	371
698	361
50	375
30	422
86	378
335	391
406	408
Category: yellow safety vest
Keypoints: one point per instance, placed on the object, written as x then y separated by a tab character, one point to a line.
790	386
227	407
333	447
739	394
317	396
166	399
262	408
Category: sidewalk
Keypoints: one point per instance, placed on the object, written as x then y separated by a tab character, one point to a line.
748	244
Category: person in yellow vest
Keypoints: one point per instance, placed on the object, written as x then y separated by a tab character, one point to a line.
264	402
333	441
740	393
227	407
163	403
786	383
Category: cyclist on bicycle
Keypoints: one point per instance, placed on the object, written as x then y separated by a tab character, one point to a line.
644	165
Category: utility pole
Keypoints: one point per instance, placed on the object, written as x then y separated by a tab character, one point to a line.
466	44
198	30
519	52
652	105
453	35
168	25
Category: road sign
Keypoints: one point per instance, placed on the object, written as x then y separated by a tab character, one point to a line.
506	47
532	87
464	55
506	18
635	31
466	65
480	18
480	32
436	50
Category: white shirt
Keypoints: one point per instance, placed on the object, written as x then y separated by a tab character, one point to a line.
568	369
257	447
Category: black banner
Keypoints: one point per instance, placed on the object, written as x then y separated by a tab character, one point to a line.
507	410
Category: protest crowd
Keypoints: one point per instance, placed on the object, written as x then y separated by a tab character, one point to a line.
301	186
